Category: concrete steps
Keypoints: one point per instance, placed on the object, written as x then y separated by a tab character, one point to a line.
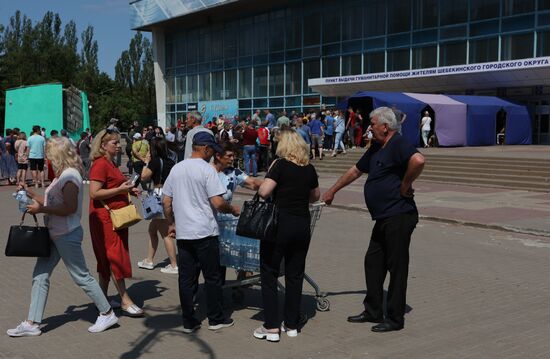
502	172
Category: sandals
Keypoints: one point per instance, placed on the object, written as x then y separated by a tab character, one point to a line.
133	311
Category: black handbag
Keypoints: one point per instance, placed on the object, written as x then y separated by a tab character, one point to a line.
258	219
28	241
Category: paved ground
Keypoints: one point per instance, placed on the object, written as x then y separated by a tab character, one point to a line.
473	292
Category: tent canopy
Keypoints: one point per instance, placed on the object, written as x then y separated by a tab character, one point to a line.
408	105
450	119
481	120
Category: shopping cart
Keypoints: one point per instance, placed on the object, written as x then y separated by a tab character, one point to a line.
243	254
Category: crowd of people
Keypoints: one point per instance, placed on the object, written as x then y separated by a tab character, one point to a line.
194	170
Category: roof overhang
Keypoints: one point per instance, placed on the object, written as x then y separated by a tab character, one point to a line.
460	78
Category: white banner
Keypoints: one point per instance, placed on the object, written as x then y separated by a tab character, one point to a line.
435	71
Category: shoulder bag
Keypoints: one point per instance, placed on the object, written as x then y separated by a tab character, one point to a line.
124	217
258	219
28	241
152	205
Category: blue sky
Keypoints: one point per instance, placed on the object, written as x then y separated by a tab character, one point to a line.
110	19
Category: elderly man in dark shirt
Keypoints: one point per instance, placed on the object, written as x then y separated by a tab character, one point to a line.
392	164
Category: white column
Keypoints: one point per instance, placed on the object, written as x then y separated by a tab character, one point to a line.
160	82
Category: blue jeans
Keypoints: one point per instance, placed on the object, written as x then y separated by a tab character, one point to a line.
67	247
249	154
338	142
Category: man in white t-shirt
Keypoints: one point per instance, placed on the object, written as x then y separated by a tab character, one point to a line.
192	194
194	122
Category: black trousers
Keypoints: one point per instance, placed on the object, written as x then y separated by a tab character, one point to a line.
204	254
389	252
291	244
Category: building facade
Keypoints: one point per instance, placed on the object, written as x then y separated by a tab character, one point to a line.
240	55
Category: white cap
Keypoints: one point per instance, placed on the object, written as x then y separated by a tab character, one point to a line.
137	135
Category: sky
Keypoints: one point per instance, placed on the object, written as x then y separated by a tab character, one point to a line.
110	19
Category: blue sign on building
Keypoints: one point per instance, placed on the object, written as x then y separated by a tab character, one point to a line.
211	109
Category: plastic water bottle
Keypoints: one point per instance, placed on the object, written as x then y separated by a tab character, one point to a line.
23	199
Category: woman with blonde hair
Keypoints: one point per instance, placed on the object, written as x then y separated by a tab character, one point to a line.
62	206
109	188
292	183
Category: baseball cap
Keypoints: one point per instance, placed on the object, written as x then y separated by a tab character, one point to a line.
204	138
137	135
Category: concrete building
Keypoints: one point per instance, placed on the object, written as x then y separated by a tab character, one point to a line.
235	56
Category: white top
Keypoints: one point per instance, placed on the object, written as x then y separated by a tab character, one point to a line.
191	184
60	225
426	121
189	140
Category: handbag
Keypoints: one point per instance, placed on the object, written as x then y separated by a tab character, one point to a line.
151	205
28	241
123	217
258	219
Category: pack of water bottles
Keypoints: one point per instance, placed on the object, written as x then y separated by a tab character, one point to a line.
237	252
22	199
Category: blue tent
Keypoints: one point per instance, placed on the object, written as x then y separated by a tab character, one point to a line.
481	120
410	106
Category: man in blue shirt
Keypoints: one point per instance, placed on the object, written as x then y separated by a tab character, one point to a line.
36	144
270	118
317	128
392	164
329	130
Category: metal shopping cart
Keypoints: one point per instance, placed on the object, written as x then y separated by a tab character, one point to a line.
243	254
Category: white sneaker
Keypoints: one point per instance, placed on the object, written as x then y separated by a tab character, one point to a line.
169	269
262	333
145	265
103	322
25	330
289	332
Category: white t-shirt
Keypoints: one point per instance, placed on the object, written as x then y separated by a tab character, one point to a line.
189	140
426	121
60	225
191	184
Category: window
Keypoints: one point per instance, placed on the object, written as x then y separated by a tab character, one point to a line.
204	87
352	22
217	86
513	7
170	98
230	84
424	57
217	43
181	91
331	25
169	54
452	53
261	34
453	12
484	50
230	40
517	46
399	18
277	31
293	78
276	80
374	62
544	4
246	37
484	9
311	71
181	54
312	28
192	42
245	83
204	46
375	18
293	31
351	65
331	67
193	88
424	14
398	60
260	81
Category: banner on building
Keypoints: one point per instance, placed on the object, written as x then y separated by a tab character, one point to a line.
211	109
